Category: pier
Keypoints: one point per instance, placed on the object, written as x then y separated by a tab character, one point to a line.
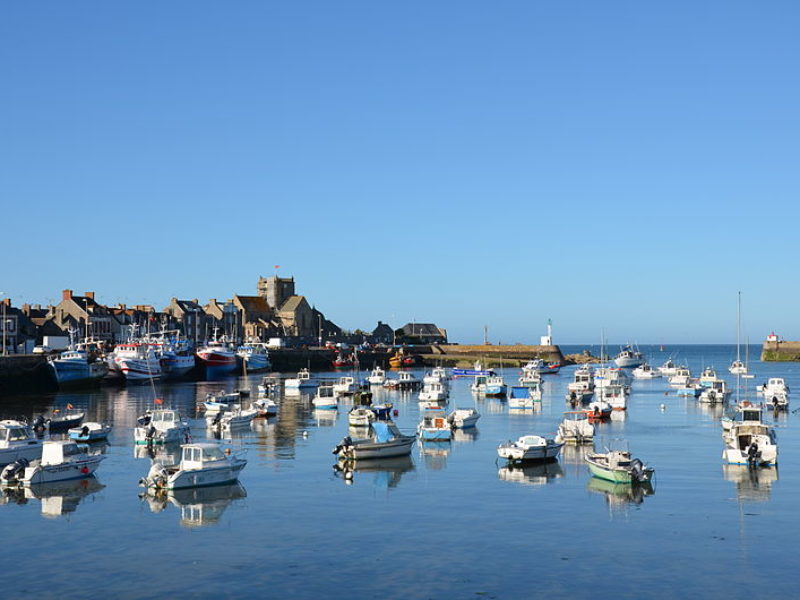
780	351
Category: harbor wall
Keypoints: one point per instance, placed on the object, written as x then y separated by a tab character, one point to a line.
780	351
25	373
455	354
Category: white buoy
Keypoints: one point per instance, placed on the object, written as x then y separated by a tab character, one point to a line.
663	407
348	475
305	434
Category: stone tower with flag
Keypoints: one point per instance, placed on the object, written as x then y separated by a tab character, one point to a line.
276	290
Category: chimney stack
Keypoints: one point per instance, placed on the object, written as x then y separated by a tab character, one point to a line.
89	295
66	295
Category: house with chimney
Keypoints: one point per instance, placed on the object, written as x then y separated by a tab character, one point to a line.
85	314
17	331
421	333
189	317
224	317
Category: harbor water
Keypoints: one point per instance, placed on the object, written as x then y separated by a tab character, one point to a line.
448	522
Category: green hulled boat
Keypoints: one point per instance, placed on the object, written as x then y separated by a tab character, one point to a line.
619	467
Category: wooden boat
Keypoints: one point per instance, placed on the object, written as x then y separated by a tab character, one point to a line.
619	467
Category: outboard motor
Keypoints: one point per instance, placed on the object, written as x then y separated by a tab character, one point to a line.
150	435
753	454
13	471
637	469
218	418
85	431
39	424
347	441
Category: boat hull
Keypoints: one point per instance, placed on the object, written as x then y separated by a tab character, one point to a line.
79	469
370	450
206	477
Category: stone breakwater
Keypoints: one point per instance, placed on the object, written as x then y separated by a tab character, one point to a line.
780	351
453	355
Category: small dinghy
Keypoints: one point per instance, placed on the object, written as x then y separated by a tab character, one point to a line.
61	461
529	448
59	423
463	418
90	432
201	465
265	407
222	402
386	442
360	416
619	467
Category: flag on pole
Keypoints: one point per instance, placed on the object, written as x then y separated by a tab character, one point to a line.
277	266
69	406
159	401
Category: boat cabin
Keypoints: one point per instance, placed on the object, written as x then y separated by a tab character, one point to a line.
520	392
14	432
197	456
164	418
325	391
55	453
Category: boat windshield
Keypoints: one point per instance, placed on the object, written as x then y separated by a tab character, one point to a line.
213	453
15	434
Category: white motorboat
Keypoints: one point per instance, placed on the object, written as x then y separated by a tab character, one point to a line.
61	460
495	387
681	378
377	376
346	386
529	447
232	419
629	357
325	398
361	416
163	426
270	384
707	377
598	410
610	376
716	392
304	382
737	368
201	465
433	392
748	440
645	371
175	356
265	406
437	375
520	397
537	365
386	442
90	431
615	396
575	429
776	392
668	368
582	380
17	441
463	418
434	427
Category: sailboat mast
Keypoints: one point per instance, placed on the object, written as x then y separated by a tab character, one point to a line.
738	327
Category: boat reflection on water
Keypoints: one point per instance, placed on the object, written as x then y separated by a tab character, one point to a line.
534	474
435	454
573	457
325	417
199	506
620	496
619	416
58	499
521	412
265	426
95	448
752	484
387	471
462	436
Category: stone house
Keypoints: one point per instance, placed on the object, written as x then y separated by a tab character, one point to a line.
84	313
421	333
189	317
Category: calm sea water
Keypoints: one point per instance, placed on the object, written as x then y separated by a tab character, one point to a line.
449	522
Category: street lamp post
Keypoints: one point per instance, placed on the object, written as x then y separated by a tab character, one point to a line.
5	323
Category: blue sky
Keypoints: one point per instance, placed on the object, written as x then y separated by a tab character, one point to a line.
623	166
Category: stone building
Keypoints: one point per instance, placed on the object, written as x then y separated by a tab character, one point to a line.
223	316
189	317
256	318
84	313
421	333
